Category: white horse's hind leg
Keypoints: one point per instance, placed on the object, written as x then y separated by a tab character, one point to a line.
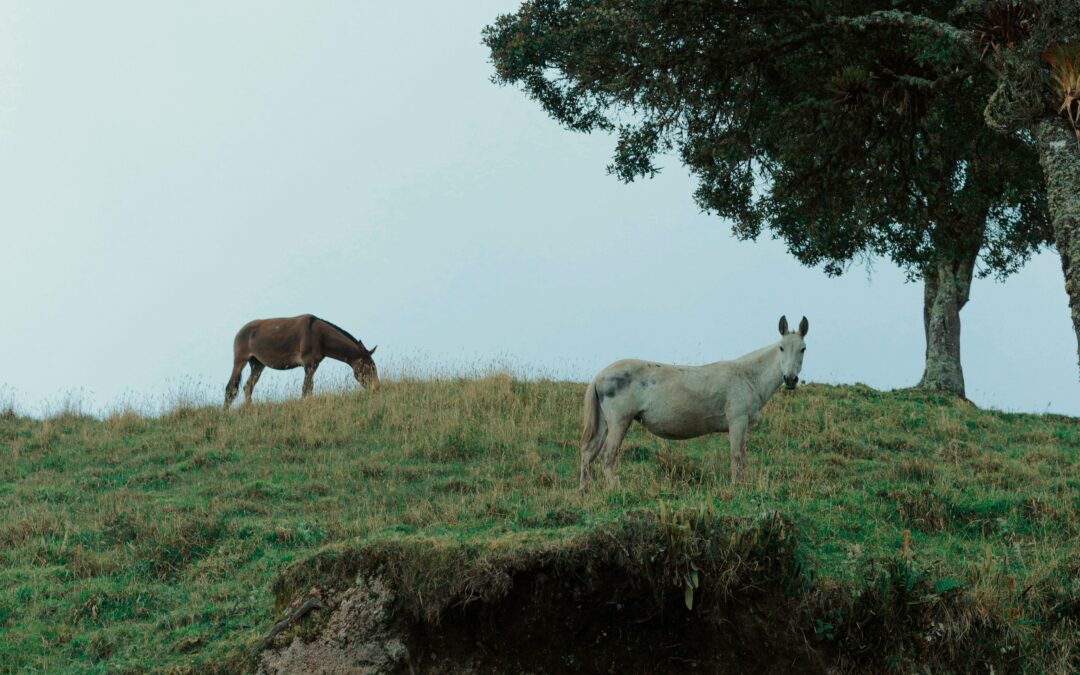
615	433
737	435
590	450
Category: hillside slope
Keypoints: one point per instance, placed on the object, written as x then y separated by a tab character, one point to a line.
175	543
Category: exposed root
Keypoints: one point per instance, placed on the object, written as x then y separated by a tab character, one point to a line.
300	612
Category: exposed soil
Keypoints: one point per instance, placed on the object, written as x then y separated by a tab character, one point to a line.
596	621
603	622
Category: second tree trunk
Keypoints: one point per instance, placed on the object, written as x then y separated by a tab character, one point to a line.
1060	160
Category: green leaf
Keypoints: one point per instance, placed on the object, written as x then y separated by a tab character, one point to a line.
688	596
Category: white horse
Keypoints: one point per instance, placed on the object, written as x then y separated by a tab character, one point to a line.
680	402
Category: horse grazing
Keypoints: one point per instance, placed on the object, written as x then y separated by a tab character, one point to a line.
680	402
299	341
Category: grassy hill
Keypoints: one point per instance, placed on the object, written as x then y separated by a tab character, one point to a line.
899	529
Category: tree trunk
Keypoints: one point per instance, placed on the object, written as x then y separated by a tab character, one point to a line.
947	288
1059	155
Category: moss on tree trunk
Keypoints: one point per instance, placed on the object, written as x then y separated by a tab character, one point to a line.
1060	158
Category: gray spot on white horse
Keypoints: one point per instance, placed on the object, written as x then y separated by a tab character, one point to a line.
613	385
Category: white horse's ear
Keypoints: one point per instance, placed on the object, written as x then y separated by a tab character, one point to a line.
783	325
804	326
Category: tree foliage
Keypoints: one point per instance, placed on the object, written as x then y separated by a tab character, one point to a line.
842	138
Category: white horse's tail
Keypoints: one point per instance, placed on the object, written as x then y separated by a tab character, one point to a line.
592	415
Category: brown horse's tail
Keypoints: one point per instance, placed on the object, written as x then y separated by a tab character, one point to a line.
592	415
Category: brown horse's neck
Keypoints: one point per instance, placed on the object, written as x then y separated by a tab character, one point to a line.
337	345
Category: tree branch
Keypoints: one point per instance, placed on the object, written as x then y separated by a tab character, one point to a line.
892	18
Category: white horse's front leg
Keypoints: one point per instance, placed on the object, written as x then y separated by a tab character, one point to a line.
737	435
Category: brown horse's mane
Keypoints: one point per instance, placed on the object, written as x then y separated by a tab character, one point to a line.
342	331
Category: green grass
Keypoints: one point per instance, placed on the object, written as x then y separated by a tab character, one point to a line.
132	543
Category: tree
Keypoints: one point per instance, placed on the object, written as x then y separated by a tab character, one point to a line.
844	127
932	196
883	162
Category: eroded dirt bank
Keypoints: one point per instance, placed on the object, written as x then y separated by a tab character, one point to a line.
652	593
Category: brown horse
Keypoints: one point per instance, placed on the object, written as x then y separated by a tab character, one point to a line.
299	341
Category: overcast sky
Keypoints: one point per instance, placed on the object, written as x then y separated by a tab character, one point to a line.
169	171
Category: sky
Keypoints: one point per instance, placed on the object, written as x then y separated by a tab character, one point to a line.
169	171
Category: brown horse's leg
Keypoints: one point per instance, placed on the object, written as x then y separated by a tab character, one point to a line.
233	385
615	434
309	378
253	377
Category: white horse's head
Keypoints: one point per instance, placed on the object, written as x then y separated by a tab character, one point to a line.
792	348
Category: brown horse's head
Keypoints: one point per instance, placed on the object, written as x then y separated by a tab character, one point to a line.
364	369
